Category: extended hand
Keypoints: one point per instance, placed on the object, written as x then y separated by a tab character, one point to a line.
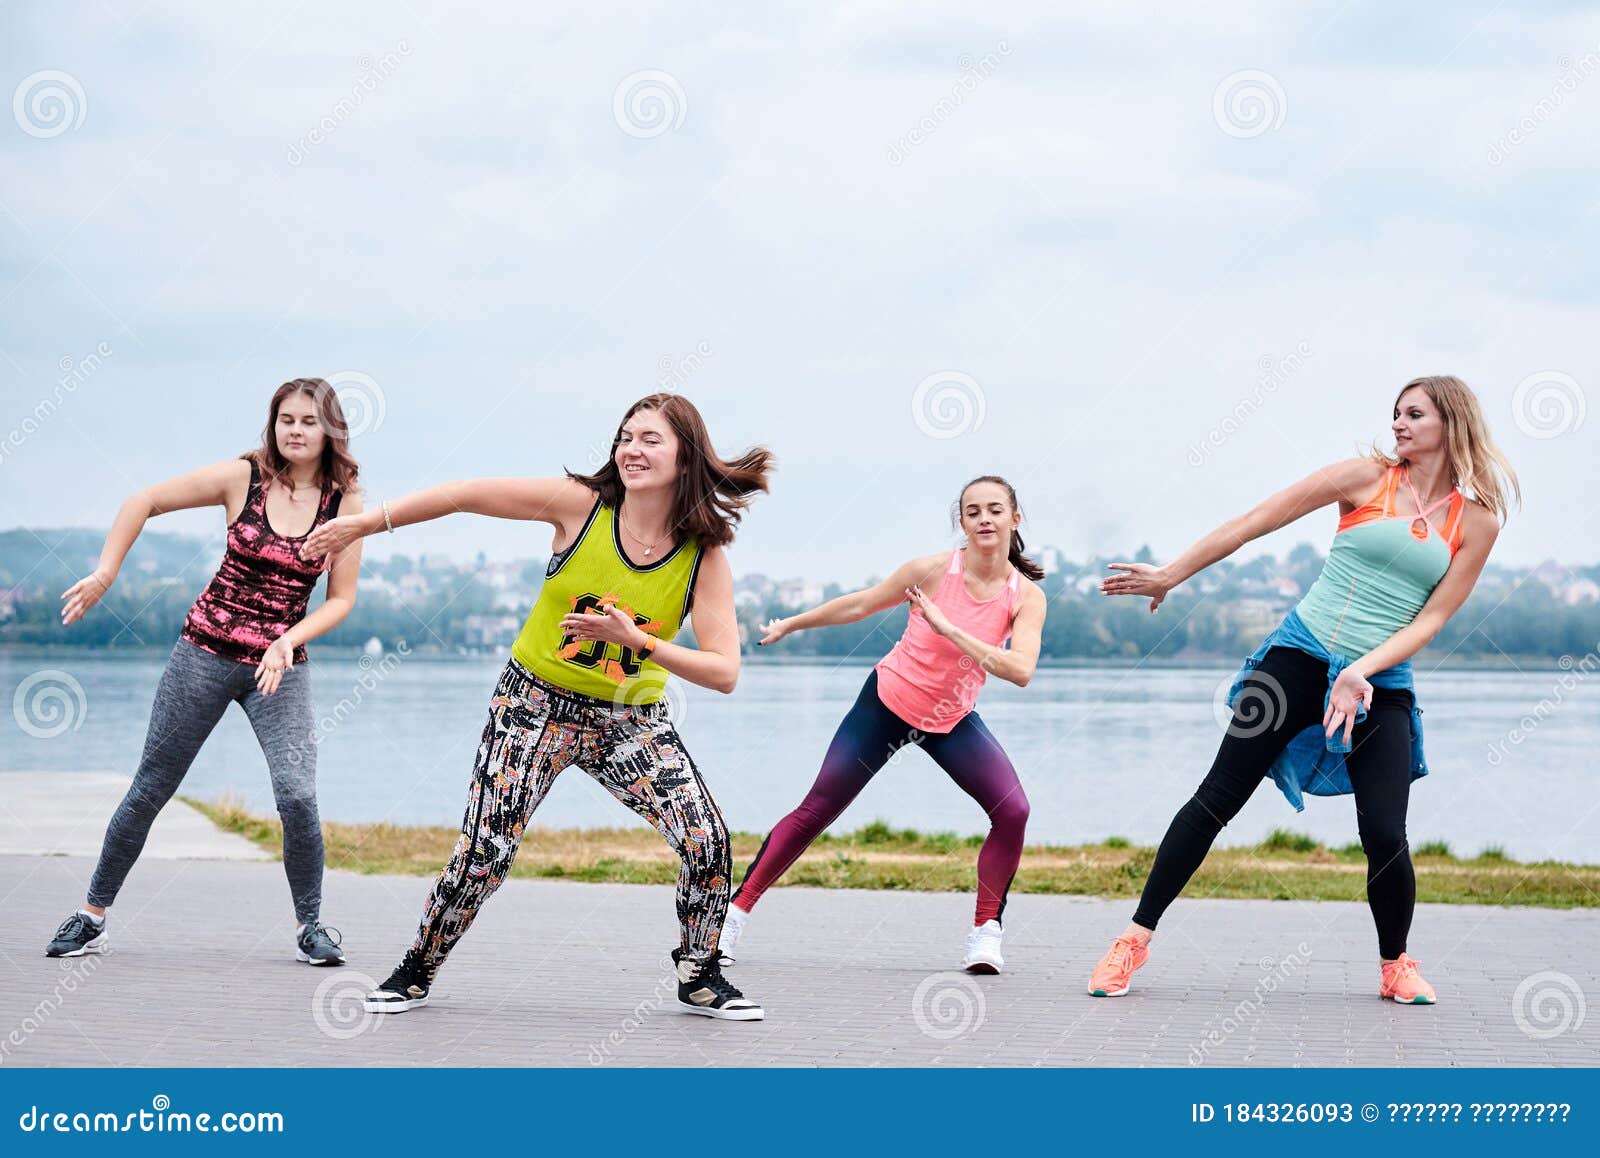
1140	579
81	596
278	659
335	535
614	626
773	631
1349	692
930	610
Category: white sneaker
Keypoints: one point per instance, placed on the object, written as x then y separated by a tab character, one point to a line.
983	949
731	928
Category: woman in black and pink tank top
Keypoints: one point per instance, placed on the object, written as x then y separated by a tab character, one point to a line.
243	642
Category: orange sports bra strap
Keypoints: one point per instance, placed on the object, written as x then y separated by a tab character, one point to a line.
1452	530
1391	483
1424	512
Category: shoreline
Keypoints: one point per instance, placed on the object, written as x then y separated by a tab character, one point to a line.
1285	866
756	657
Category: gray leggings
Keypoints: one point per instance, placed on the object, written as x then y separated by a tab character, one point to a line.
195	690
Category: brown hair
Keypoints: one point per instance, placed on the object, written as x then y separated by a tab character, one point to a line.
338	467
1018	560
710	494
1476	463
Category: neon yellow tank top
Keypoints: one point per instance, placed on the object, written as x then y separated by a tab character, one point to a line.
593	574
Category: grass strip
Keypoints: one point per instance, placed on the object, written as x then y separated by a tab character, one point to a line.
1285	866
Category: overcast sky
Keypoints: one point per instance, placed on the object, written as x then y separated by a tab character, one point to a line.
1150	261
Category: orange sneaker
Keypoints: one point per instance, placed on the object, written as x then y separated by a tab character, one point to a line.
1402	982
1110	977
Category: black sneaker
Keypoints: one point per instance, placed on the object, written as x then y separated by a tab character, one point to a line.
406	988
318	945
78	935
702	989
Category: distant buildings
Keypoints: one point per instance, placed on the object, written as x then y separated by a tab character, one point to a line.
1580	591
436	603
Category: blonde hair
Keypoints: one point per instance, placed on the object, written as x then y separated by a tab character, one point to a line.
1477	465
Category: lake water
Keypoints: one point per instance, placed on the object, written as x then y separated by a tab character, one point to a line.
1101	750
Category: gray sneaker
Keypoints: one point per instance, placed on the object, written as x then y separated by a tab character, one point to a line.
76	936
315	946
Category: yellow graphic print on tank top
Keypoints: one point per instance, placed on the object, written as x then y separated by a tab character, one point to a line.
592	576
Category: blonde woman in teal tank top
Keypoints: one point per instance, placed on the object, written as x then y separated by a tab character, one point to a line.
1326	704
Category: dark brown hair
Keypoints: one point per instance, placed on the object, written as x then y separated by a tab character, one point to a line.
710	493
1018	560
337	466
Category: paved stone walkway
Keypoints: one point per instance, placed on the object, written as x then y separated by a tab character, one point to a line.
34	822
573	974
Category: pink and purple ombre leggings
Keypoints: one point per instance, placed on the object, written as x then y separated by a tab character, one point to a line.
867	737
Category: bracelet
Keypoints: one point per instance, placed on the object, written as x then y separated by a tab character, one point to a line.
648	647
387	525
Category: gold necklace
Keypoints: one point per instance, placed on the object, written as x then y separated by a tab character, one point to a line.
637	538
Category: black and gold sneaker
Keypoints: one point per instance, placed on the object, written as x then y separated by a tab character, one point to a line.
406	988
702	989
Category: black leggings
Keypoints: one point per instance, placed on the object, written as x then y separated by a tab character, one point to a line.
1289	687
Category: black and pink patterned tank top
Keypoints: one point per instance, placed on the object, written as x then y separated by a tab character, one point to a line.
262	588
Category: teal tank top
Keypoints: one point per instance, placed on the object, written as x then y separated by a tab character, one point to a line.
1380	570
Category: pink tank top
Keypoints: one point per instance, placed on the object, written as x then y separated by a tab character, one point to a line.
926	680
263	586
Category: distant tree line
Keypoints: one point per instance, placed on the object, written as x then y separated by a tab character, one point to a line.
443	606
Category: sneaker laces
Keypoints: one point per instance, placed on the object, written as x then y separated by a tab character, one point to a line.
708	974
1121	955
412	967
72	926
317	928
1404	967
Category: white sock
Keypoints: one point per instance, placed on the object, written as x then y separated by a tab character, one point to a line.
92	918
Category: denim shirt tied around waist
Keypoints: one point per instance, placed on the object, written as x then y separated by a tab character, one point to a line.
1312	762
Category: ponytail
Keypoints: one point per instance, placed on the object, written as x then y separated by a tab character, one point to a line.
1021	562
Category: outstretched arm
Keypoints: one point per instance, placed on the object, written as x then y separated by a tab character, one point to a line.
557	501
1351	481
206	487
857	605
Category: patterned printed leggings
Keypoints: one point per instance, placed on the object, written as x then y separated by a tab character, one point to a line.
536	730
866	738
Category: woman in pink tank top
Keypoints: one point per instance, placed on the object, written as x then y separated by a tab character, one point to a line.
965	605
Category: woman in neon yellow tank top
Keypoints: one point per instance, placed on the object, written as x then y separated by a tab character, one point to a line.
1326	704
638	549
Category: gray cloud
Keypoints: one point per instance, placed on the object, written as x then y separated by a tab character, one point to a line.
1072	229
